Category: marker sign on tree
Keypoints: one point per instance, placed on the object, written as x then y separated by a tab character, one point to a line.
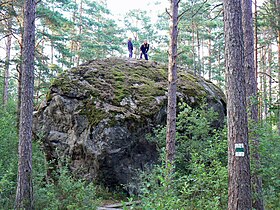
239	150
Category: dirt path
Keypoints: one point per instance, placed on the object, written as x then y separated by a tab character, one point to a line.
118	206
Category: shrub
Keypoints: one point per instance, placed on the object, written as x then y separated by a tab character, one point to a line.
270	167
200	177
8	160
66	193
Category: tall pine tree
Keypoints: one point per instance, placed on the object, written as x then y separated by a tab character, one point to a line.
24	193
239	189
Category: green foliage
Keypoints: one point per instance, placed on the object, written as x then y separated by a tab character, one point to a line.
206	186
200	177
66	193
199	180
270	168
8	160
159	190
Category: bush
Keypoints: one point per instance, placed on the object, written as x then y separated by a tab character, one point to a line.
200	177
270	167
66	193
8	160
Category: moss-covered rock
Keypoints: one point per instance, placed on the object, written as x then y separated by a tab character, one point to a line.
98	115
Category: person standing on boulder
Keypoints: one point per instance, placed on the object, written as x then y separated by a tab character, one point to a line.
130	47
144	50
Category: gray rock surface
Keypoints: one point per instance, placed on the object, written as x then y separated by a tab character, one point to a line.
97	116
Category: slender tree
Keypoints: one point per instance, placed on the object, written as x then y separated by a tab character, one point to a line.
251	96
24	193
278	40
172	86
239	189
7	64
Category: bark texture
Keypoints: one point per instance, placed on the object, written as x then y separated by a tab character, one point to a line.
172	86
239	189
251	99
278	102
24	193
7	65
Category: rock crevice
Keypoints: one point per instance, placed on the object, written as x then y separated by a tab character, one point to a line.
98	115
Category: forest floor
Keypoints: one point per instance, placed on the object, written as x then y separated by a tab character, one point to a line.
119	206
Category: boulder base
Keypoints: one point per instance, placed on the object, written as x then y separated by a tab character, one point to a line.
97	116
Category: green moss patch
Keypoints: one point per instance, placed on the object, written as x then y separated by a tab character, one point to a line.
114	80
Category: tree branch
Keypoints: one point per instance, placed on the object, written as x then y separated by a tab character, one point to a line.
180	16
168	13
217	15
216	7
199	8
260	72
5	36
178	2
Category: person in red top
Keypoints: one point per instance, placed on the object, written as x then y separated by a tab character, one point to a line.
144	50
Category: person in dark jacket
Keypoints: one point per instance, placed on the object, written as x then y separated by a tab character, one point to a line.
130	47
144	50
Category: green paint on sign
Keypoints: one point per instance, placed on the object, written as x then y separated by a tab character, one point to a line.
239	149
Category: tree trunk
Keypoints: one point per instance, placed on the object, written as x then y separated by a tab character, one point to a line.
261	100
269	59
239	189
19	70
278	101
7	66
210	56
251	99
80	33
198	52
24	192
219	66
202	58
256	53
172	86
193	48
73	45
264	61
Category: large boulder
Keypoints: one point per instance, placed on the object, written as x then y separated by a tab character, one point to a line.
97	115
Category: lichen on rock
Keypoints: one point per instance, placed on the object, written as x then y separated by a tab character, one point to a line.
99	113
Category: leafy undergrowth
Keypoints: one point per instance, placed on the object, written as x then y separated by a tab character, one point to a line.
199	180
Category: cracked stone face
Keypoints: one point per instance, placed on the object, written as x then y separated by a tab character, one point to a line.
97	118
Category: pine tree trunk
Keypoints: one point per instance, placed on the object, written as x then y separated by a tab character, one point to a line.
80	33
239	189
172	86
278	102
265	84
209	57
52	53
198	52
269	59
19	70
202	65
193	49
251	98
7	66
73	45
24	192
219	66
